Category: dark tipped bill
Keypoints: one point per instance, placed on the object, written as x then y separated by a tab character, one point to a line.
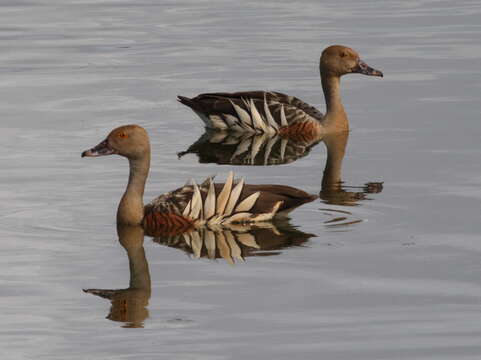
101	149
363	68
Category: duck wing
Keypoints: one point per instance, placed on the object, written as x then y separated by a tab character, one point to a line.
214	204
252	111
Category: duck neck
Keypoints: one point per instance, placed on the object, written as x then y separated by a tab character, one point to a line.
131	207
335	119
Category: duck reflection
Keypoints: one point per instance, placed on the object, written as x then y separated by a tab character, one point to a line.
130	305
251	149
235	241
232	243
333	191
240	148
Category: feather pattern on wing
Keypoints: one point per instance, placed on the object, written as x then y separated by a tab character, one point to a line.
252	111
211	204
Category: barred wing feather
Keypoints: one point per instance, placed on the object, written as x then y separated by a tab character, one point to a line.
211	204
251	111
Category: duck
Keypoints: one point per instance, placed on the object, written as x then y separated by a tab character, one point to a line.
190	206
274	112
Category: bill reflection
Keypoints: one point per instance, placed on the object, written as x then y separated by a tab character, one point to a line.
129	305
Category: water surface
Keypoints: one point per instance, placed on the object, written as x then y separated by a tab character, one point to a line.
398	277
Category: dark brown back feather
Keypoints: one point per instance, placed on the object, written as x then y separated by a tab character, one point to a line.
176	201
220	103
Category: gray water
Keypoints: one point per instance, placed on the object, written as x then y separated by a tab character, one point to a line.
398	277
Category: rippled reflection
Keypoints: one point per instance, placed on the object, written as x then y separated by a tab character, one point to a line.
232	243
130	305
236	148
333	191
250	149
236	241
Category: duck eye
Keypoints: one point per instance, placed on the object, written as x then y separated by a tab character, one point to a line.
343	54
122	135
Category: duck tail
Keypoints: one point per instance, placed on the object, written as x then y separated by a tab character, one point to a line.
185	100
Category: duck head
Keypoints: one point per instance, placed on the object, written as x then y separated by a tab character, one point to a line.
130	141
338	60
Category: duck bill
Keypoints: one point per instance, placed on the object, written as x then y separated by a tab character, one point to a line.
101	149
365	69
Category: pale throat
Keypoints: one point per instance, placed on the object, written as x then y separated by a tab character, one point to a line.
131	206
335	115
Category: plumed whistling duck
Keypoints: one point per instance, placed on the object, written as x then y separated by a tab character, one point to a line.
273	112
190	206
